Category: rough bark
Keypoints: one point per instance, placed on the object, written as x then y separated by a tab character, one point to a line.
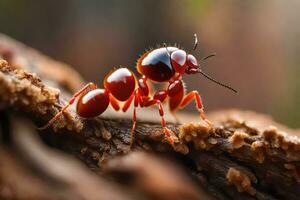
243	155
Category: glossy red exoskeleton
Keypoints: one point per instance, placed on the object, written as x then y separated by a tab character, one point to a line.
165	64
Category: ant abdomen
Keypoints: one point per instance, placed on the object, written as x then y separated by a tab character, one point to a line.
93	103
119	86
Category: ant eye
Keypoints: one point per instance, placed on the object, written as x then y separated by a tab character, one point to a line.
178	59
192	61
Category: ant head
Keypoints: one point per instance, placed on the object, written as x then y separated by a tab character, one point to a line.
179	61
192	65
183	62
191	62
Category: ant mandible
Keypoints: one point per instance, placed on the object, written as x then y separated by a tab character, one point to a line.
164	64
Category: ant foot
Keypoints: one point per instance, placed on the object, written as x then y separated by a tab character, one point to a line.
170	136
131	144
203	117
132	138
208	122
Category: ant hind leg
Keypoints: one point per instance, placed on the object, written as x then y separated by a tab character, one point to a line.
88	86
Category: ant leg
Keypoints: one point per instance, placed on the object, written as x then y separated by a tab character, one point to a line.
114	102
160	95
189	97
136	103
145	89
176	94
90	86
167	131
128	102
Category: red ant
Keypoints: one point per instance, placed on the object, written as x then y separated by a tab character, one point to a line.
164	64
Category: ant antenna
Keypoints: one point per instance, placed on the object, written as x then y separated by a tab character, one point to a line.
195	42
209	56
217	82
195	47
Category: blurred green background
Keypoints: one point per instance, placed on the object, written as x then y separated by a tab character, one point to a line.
257	43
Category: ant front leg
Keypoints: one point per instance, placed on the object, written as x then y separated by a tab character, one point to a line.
189	97
85	89
175	93
178	99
